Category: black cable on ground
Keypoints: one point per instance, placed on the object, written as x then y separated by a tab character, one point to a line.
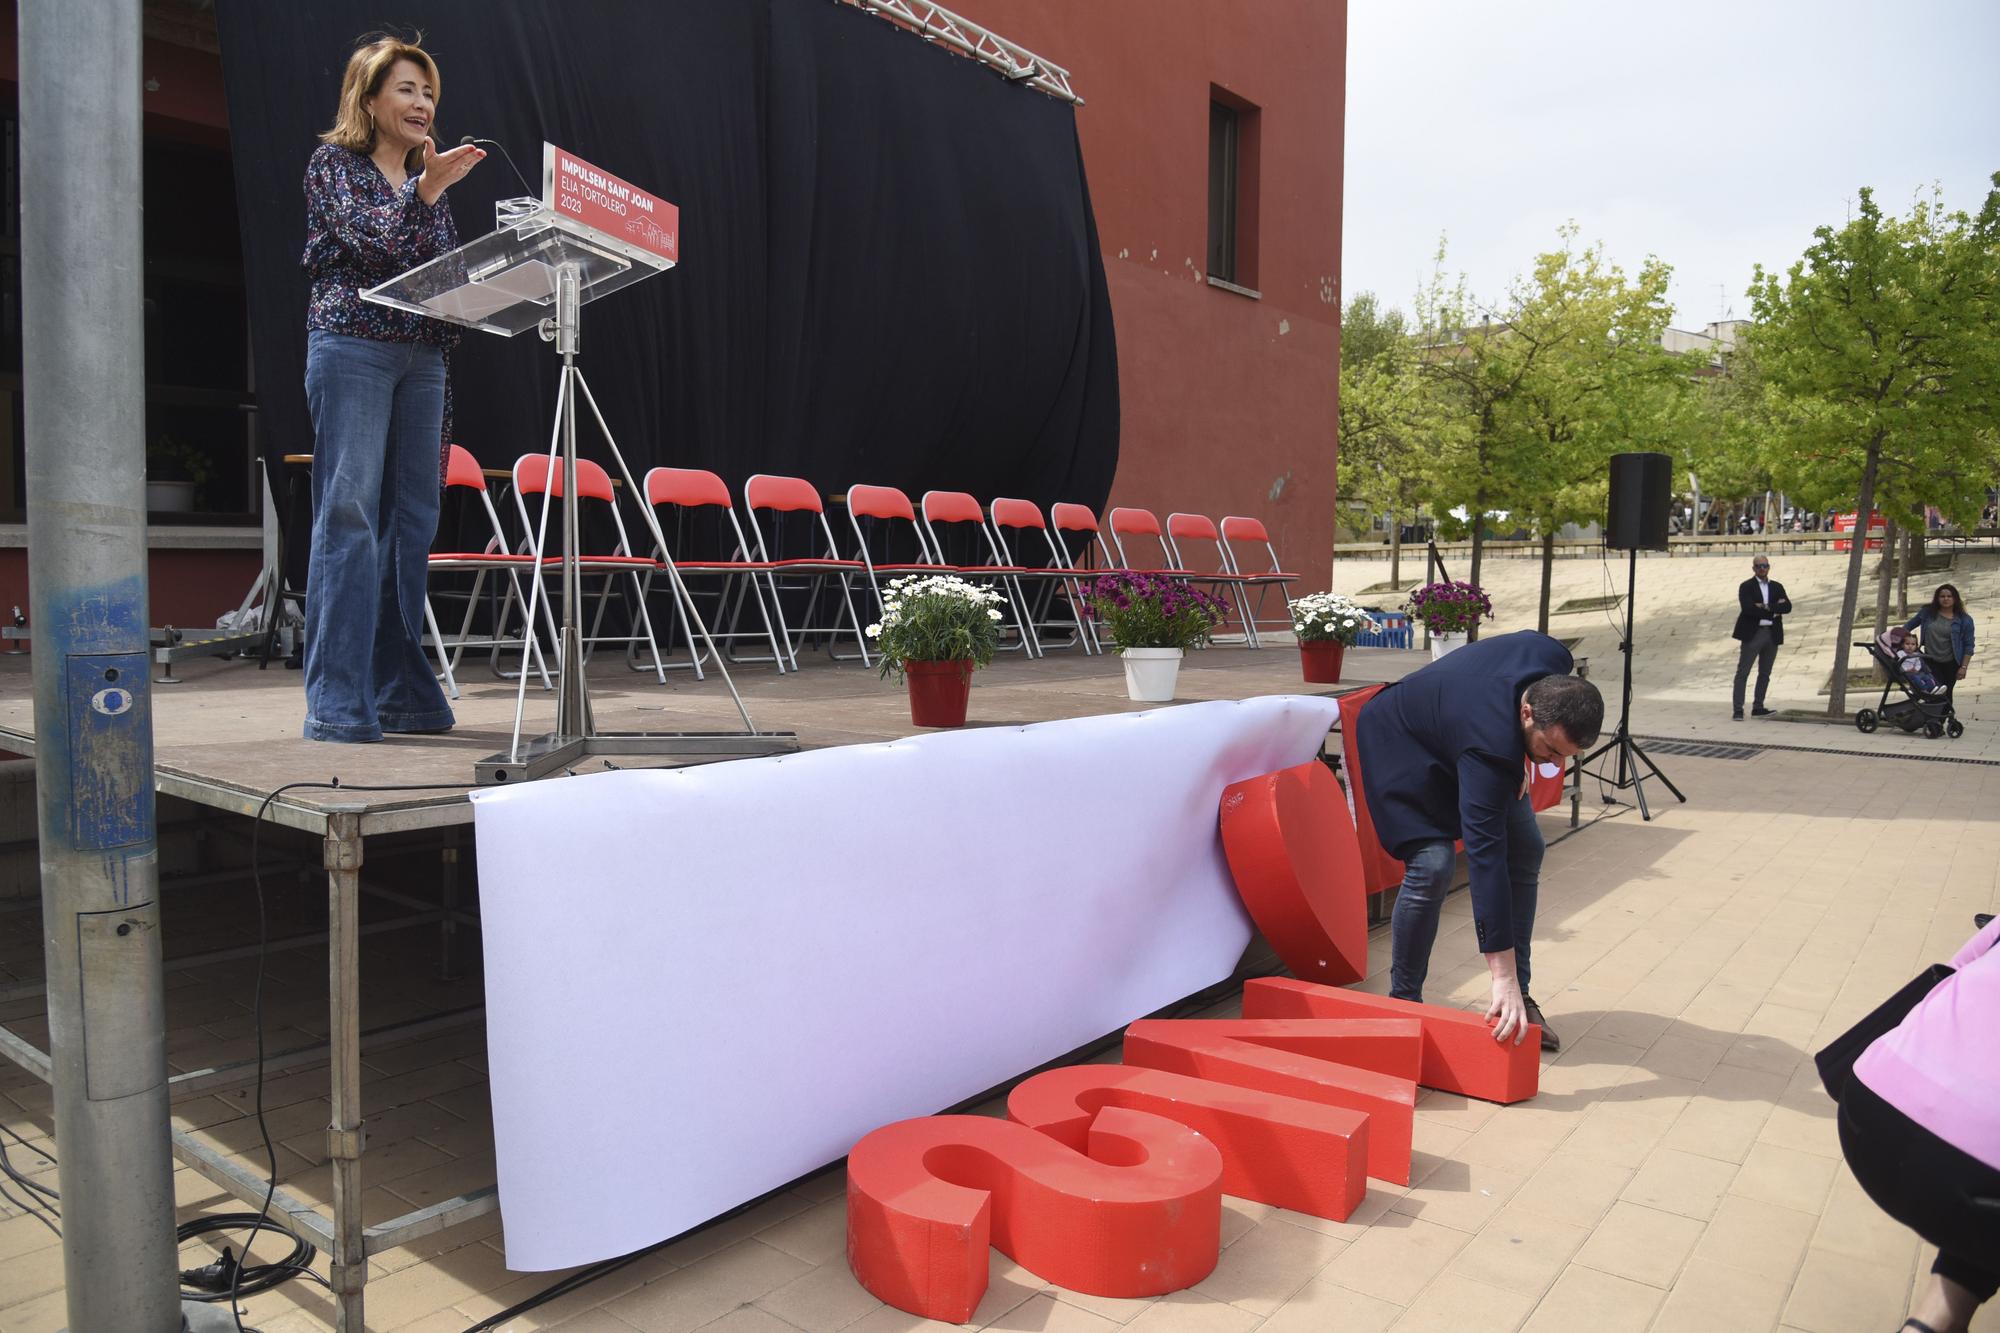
30	1208
7	1167
230	1277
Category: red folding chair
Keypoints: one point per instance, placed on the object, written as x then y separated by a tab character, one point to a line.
787	504
464	477
540	474
957	512
1251	532
1143	523
682	498
889	507
1137	523
1191	536
1021	516
1078	519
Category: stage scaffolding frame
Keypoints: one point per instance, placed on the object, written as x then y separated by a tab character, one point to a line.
343	824
935	23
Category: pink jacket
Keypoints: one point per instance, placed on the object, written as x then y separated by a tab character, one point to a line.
1941	1065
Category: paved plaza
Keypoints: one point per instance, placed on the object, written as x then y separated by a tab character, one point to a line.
1678	1171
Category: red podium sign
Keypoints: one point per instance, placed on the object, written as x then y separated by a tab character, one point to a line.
575	189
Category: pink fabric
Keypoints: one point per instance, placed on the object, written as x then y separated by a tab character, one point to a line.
1941	1065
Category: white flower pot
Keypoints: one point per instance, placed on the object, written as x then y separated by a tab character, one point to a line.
1150	673
1444	643
170	497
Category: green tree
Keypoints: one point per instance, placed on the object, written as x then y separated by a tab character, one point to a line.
1388	420
1880	349
1606	386
1726	439
1545	388
1370	331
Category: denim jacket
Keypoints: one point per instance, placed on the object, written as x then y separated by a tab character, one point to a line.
1961	632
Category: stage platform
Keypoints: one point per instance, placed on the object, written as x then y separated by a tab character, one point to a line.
228	736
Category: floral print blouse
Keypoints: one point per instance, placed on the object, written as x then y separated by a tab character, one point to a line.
360	232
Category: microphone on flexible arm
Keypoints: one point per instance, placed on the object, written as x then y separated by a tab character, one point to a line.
525	187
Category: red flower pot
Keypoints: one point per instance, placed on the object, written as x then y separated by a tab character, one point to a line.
938	692
1321	660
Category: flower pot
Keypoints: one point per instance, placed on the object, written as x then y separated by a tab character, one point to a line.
1444	643
170	497
1150	673
1321	660
939	692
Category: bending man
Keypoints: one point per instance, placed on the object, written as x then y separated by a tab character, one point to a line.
1447	753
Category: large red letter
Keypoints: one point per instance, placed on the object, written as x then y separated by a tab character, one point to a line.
1335	1064
1279	1150
1459	1053
1141	1215
1297	867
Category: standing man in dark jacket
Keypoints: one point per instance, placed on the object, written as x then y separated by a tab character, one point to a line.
1446	753
1760	628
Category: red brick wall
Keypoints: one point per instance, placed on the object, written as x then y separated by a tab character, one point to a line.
1229	404
189	589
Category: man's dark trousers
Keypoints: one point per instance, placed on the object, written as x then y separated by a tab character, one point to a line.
1762	647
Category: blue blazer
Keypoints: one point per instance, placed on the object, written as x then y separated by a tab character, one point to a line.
1442	758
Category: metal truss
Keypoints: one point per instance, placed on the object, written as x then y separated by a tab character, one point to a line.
935	23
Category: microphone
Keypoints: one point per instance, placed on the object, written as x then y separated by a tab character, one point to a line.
525	187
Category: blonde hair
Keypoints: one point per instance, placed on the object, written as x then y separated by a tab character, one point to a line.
367	70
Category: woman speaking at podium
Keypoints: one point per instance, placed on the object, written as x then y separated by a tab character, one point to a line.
377	388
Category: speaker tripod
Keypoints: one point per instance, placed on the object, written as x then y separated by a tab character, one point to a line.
1630	756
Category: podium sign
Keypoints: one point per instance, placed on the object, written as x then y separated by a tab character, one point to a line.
616	209
609	231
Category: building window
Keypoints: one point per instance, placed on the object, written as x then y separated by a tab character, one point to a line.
1222	144
1232	189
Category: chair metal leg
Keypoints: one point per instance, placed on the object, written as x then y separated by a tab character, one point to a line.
444	658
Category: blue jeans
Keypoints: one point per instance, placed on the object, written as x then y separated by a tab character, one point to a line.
1427	875
377	410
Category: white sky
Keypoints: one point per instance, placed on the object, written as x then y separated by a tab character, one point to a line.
1716	136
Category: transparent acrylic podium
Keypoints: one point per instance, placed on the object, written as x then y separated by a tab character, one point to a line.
537	270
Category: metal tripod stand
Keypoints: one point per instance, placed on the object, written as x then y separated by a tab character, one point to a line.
575	736
1630	756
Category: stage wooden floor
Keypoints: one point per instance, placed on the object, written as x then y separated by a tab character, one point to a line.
236	727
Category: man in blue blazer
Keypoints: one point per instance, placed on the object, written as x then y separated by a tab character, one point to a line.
1446	753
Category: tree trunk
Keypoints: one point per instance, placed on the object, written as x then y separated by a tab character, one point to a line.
1913	554
1478	553
1883	578
1548	572
1395	550
1836	700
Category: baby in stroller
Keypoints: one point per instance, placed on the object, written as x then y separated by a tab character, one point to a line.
1901	645
1925	703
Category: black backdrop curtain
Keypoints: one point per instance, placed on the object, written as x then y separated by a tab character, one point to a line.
889	268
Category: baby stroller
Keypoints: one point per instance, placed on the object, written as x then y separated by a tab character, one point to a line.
1922	707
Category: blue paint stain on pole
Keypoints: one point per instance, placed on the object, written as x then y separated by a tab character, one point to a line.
111	751
106	747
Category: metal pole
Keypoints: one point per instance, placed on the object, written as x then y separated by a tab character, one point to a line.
573	699
82	370
344	1138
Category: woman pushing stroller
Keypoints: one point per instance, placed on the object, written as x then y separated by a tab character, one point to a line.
1944	637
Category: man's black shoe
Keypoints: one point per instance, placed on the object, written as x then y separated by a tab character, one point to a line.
1550	1041
1736	716
1761	711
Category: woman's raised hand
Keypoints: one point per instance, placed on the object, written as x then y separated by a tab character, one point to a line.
443	170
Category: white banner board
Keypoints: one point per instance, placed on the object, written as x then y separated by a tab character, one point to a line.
704	982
